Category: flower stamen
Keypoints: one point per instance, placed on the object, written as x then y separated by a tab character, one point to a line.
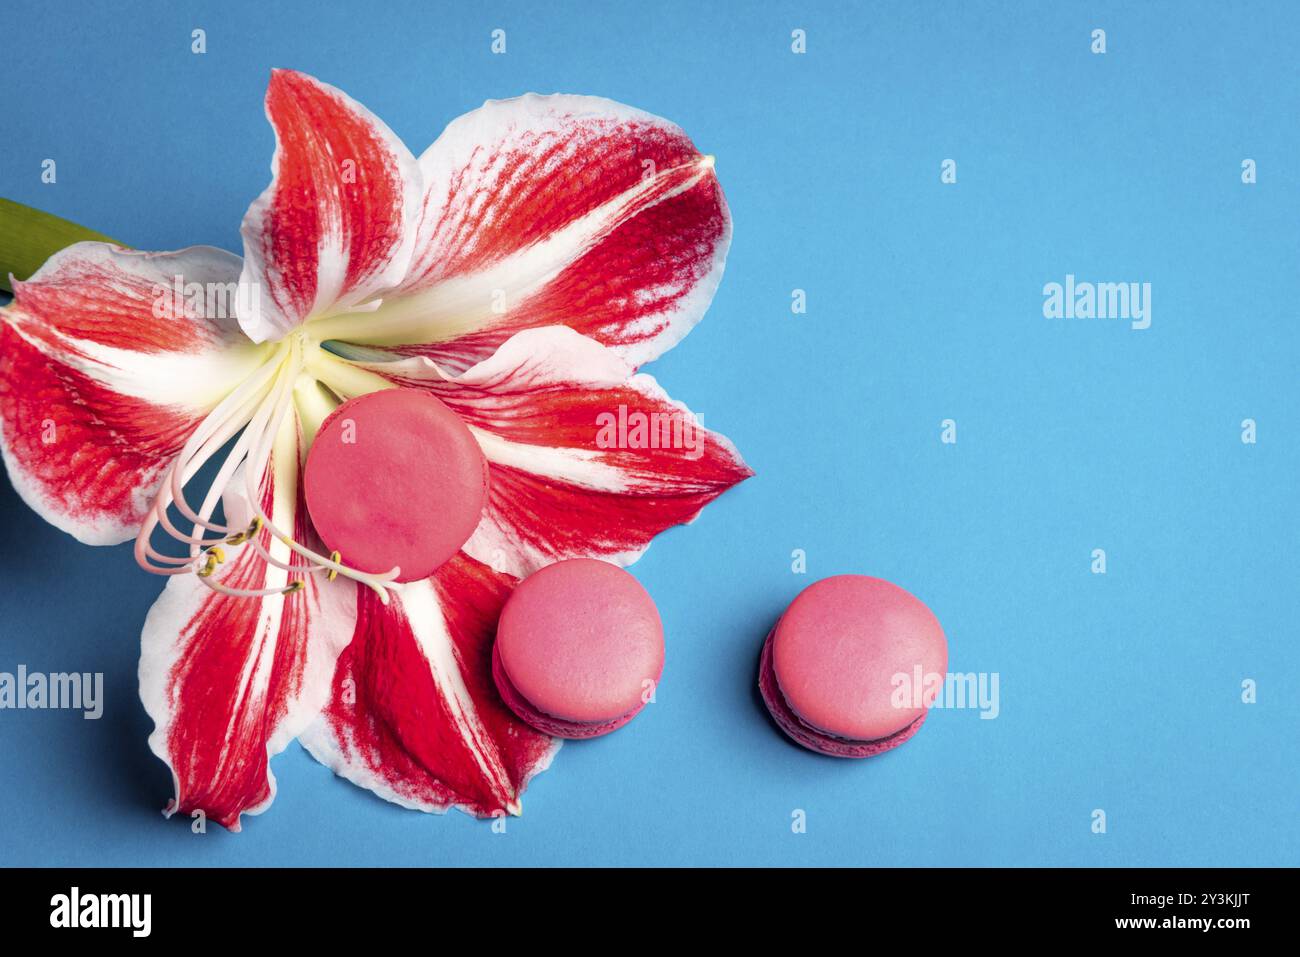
256	412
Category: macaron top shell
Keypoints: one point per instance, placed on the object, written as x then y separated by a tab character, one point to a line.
840	644
579	639
395	479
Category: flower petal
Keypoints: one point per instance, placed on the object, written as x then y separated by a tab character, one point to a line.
230	681
335	226
105	371
584	461
415	716
546	210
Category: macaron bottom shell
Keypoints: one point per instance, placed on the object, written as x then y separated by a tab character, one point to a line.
548	724
814	739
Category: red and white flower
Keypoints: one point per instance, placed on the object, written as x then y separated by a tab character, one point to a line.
521	269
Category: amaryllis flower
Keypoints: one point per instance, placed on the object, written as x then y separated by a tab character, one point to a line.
520	270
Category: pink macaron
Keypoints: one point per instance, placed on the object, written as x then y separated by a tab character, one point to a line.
395	479
852	666
579	649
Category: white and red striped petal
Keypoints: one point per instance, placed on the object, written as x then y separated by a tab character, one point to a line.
109	358
336	226
415	716
546	210
230	681
584	461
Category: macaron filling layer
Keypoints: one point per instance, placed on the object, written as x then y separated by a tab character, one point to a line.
812	737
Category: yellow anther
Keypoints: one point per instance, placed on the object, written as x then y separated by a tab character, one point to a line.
292	587
217	552
337	559
240	537
208	568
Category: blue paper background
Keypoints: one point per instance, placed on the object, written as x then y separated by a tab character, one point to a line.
1119	692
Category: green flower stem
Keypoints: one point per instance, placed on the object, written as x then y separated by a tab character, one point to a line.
28	237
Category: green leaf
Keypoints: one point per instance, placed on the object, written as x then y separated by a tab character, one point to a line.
28	237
